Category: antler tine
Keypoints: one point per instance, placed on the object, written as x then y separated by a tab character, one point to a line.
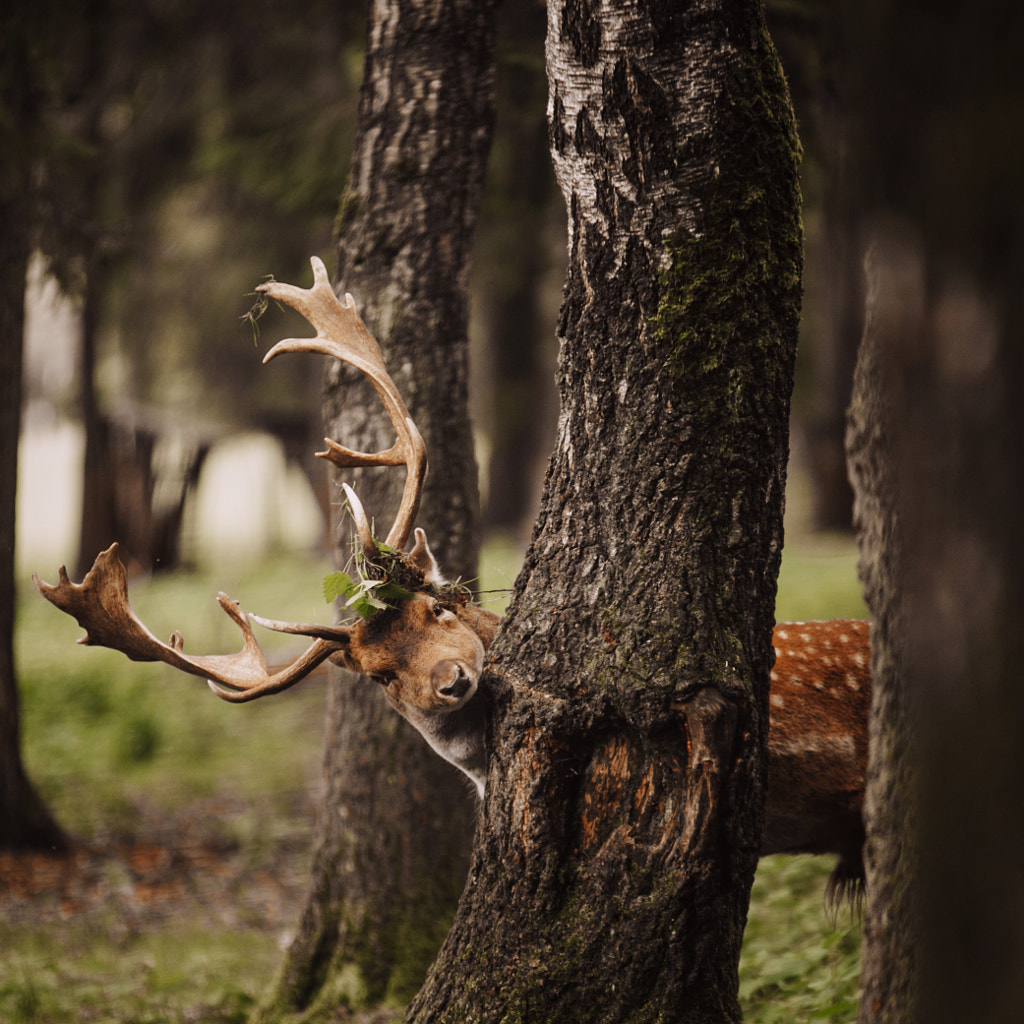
100	604
359	515
342	334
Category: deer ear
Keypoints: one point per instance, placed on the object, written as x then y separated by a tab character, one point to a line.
344	659
423	558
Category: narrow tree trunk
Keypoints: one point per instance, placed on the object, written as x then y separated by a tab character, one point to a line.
394	837
516	268
97	529
612	870
841	252
24	820
891	926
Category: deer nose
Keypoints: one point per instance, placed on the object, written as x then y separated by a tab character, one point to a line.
456	682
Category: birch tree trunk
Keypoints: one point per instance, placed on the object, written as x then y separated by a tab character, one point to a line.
612	868
394	837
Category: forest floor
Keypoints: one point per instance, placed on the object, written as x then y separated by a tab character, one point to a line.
171	865
147	928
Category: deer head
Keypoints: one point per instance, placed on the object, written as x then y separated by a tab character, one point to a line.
427	652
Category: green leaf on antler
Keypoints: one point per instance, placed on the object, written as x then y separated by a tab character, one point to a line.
365	597
338	584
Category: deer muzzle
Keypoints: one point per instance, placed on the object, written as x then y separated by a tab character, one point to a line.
452	681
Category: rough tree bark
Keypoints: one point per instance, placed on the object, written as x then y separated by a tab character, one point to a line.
937	450
395	832
612	869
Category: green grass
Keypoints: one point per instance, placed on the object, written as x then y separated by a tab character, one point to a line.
109	742
79	972
798	964
103	734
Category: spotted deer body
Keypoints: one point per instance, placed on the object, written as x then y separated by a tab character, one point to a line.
819	699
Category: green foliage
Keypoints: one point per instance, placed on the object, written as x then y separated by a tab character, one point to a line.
365	597
818	575
797	964
74	972
139	739
104	735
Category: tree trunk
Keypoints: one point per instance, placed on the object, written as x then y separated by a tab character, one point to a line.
891	936
938	448
516	269
24	820
393	840
814	45
625	793
841	252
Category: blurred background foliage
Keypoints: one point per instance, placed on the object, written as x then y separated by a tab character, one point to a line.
184	151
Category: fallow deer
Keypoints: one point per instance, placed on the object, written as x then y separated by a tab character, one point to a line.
428	652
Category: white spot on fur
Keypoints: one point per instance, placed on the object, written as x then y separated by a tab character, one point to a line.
838	746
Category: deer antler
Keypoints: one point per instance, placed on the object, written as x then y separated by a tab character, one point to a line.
341	333
100	601
100	605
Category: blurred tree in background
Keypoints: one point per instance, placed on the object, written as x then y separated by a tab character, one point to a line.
937	454
24	83
189	148
519	269
813	41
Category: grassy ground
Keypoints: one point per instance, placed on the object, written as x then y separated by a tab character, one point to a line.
114	746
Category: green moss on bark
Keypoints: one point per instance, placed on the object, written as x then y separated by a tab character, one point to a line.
736	281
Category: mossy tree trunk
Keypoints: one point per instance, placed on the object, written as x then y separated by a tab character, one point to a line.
395	832
937	454
612	869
